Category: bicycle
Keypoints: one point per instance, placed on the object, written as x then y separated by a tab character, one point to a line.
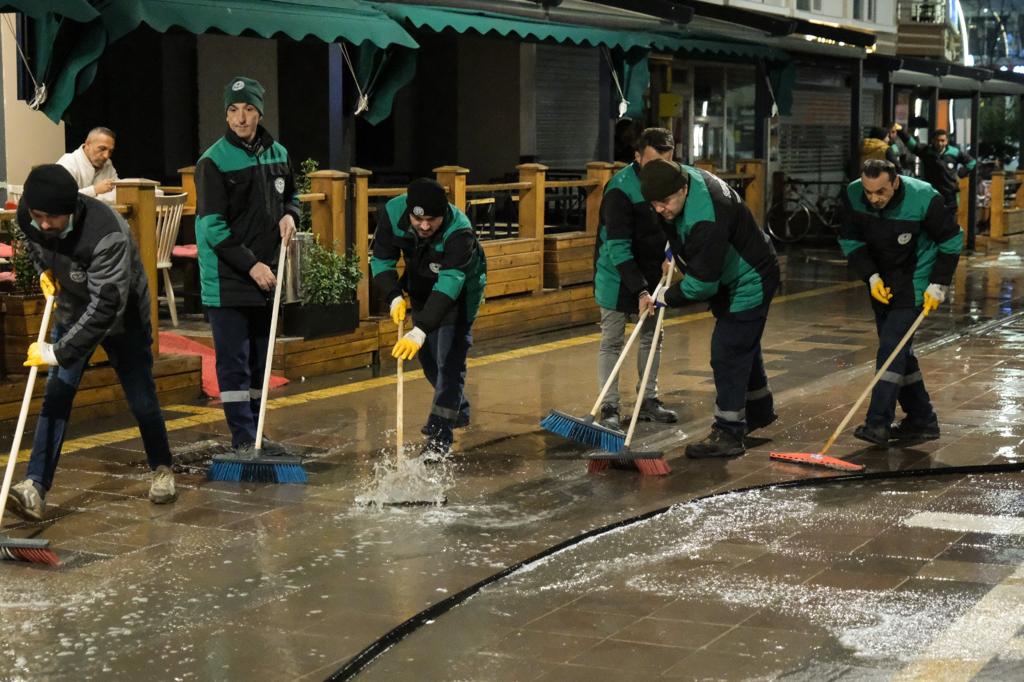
791	218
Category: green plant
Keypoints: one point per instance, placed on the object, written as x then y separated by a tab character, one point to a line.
26	280
302	186
329	277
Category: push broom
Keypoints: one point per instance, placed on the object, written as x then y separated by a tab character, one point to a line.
586	430
261	468
34	550
649	463
825	460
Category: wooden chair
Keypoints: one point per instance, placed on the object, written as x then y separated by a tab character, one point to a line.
168	220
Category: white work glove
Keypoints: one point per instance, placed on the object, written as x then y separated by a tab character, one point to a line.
933	296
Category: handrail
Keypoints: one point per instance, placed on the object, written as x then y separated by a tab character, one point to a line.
584	183
499	187
123	209
310	197
385	191
8	215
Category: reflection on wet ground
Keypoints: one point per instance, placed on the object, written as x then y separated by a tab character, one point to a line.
287	582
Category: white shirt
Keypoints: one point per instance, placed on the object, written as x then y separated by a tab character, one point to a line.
86	175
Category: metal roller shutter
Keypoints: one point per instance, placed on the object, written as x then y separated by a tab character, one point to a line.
567	81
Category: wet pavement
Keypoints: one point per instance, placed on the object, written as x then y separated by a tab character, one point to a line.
832	582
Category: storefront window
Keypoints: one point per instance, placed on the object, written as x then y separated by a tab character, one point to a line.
723	129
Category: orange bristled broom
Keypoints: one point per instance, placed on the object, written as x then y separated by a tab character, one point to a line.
824	460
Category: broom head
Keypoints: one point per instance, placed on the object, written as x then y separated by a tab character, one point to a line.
257	469
33	550
815	459
583	430
650	463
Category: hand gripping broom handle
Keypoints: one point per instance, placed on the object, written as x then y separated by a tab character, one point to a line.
625	349
270	344
878	375
26	401
400	402
650	360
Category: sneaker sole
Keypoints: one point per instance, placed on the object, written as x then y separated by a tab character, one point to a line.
650	418
15	507
877	444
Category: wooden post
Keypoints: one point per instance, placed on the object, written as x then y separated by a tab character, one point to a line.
361	211
188	186
961	209
705	164
140	195
531	211
996	217
329	215
453	179
755	193
602	172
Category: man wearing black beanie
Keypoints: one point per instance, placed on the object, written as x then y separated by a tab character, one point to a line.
730	262
445	275
87	258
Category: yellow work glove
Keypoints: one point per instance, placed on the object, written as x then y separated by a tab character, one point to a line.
398	307
409	345
48	284
879	291
40	355
933	296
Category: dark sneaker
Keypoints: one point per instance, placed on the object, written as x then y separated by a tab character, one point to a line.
161	489
25	501
610	417
244	451
461	422
874	434
907	430
651	410
271	448
719	443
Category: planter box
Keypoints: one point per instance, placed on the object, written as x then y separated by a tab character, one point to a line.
309	320
21	317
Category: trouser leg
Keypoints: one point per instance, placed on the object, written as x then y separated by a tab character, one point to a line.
735	343
892	325
259	343
646	342
231	341
760	405
449	346
51	428
131	355
613	327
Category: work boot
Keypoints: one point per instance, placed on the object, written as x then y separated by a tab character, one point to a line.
161	490
244	451
435	450
909	430
755	424
651	410
461	422
719	443
271	448
610	417
24	500
876	434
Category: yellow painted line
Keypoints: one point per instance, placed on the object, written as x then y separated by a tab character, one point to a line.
210	415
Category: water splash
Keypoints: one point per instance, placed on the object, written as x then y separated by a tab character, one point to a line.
408	481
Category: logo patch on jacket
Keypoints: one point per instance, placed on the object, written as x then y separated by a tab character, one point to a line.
904	238
78	276
435	268
279	185
950	165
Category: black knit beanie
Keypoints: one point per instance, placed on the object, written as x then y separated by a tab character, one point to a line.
661	179
426	197
51	189
244	90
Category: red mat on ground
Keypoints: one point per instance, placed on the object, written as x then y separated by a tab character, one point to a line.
182	345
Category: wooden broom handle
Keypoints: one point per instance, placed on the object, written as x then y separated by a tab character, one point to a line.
270	344
399	401
26	402
878	375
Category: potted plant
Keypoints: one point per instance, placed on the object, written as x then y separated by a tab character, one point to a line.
328	303
23	306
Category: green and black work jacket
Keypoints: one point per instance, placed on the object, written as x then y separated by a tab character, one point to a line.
630	244
943	171
243	190
730	261
445	274
910	243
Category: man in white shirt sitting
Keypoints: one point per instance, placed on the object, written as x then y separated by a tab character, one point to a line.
90	165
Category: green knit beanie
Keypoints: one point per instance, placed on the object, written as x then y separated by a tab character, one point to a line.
245	90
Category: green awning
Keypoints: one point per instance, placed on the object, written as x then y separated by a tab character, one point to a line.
77	10
66	54
485	22
714	46
381	74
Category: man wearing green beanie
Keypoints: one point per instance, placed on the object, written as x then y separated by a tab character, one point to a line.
731	264
247	205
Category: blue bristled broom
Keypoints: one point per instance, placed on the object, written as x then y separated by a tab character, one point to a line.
260	468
